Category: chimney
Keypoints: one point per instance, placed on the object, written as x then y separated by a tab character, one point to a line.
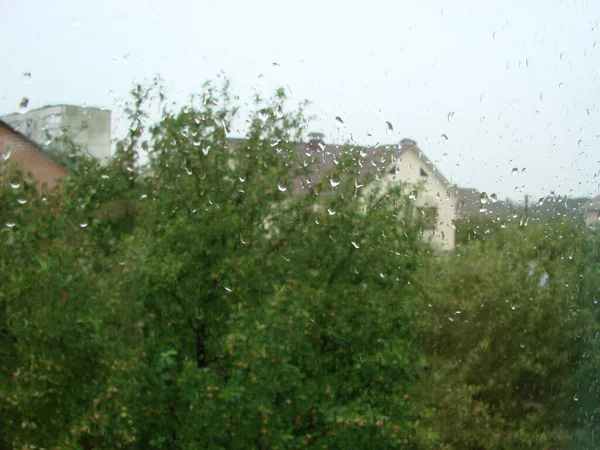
314	138
407	143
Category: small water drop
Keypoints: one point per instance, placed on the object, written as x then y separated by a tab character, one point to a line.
331	212
143	196
15	185
339	119
450	116
242	179
24	102
228	289
281	188
444	136
334	183
9	224
355	244
6	155
83	225
21	201
205	150
390	127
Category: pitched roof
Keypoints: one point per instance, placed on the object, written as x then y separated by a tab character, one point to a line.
325	157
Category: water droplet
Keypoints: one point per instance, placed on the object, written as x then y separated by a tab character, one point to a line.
281	188
6	155
355	245
450	116
188	171
389	126
515	170
104	177
576	397
24	102
334	183
83	225
242	179
9	224
228	289
382	275
21	201
205	150
339	119
143	196
15	185
444	136
331	212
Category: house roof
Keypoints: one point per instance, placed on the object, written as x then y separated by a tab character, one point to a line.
376	160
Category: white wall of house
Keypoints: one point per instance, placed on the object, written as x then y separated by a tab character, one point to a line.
412	169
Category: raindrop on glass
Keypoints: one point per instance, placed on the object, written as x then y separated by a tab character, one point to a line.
15	185
83	225
9	224
281	188
331	212
21	201
355	245
339	119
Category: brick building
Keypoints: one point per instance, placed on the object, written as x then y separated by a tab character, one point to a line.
29	157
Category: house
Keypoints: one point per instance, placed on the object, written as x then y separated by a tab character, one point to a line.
29	157
87	127
591	211
433	195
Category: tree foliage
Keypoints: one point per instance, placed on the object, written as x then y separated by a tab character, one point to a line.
200	301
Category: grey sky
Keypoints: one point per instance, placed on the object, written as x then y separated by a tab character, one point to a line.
519	76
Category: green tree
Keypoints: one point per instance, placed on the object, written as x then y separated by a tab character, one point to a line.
503	329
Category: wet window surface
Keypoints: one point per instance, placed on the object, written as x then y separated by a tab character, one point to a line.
230	225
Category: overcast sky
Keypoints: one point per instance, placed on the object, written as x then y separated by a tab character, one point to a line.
511	84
